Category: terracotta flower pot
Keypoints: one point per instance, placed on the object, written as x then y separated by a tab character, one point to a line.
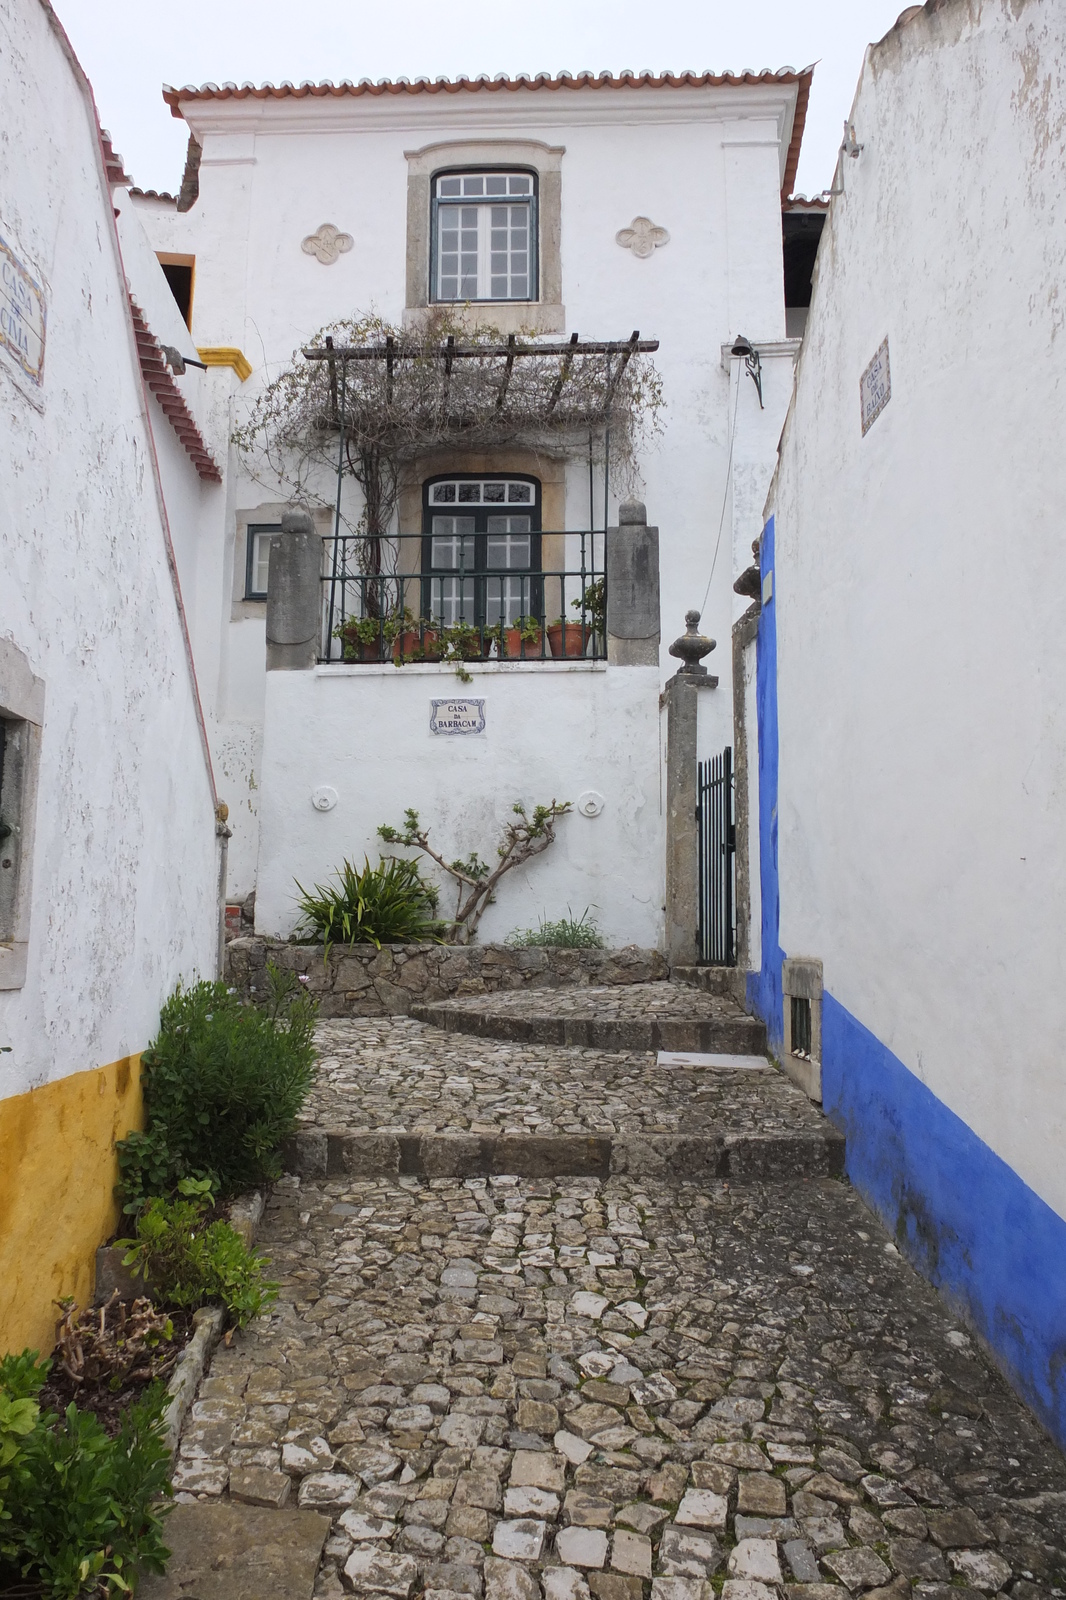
569	639
411	646
515	649
363	650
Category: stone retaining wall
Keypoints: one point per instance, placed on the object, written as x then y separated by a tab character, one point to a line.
359	981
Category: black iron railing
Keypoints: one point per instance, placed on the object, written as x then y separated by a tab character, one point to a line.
716	835
411	598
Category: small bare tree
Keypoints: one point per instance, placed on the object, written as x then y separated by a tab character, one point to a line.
474	879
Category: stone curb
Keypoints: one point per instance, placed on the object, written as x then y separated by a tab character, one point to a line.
741	1158
245	1215
728	1035
185	1379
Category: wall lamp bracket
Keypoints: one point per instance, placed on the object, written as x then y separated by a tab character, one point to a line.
753	365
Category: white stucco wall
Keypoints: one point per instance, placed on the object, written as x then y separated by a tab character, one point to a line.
125	857
552	732
705	164
921	651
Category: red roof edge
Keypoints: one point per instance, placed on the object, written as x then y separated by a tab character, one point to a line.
501	83
804	79
114	166
160	379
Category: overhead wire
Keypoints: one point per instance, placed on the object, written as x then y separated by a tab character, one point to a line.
725	495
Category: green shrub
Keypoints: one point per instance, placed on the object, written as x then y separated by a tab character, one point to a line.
82	1511
192	1262
223	1082
569	933
387	904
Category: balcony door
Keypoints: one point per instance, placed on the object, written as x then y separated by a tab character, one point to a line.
481	560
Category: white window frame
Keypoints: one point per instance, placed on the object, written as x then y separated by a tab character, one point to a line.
483	204
22	710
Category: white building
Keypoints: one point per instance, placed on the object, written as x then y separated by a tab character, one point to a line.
109	862
632	203
910	691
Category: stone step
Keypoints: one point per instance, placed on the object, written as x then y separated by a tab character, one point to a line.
728	981
671	1158
726	1034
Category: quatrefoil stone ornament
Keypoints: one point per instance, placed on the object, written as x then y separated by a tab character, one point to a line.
327	244
642	236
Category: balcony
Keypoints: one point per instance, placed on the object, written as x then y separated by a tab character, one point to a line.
530	596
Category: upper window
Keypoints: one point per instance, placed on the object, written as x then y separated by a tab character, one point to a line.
484	236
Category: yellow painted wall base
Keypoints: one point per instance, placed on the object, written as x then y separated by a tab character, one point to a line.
58	1170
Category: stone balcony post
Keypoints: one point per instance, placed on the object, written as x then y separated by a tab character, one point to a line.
294	596
632	563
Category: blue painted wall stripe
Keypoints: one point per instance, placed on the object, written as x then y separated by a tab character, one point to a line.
965	1218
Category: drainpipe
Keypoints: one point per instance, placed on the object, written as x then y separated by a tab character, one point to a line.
223	833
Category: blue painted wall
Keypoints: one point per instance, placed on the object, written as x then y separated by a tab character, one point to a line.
764	987
959	1213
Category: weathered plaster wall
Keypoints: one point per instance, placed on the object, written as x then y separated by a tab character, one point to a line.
707	165
552	732
918	809
124	860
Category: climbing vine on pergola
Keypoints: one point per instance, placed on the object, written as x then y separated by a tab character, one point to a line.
366	399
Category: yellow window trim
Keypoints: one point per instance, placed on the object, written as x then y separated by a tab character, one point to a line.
227	356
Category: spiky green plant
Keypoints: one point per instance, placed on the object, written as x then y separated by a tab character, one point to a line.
387	904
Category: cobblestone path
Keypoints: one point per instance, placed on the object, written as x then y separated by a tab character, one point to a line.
610	1389
393	1073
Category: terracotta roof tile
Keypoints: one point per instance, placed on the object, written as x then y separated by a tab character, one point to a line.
160	379
523	82
115	167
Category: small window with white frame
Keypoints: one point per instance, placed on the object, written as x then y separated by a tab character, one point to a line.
261	536
484	236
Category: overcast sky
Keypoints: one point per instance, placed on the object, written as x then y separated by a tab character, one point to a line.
129	48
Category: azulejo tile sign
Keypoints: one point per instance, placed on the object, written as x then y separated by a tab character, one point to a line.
875	387
457	716
22	315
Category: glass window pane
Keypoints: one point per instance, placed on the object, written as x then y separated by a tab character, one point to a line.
447	186
470	491
472	185
261	561
442	493
451	600
493	491
520	183
519	491
496	183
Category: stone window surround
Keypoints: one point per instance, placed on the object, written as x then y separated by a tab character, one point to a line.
272	511
801	976
22	708
547	314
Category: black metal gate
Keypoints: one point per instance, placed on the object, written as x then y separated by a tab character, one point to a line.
716	833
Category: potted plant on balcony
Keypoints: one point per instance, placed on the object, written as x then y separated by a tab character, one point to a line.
365	638
465	642
416	639
521	641
571	639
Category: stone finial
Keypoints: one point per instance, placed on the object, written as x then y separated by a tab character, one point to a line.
297	520
692	646
643	237
632	511
326	244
